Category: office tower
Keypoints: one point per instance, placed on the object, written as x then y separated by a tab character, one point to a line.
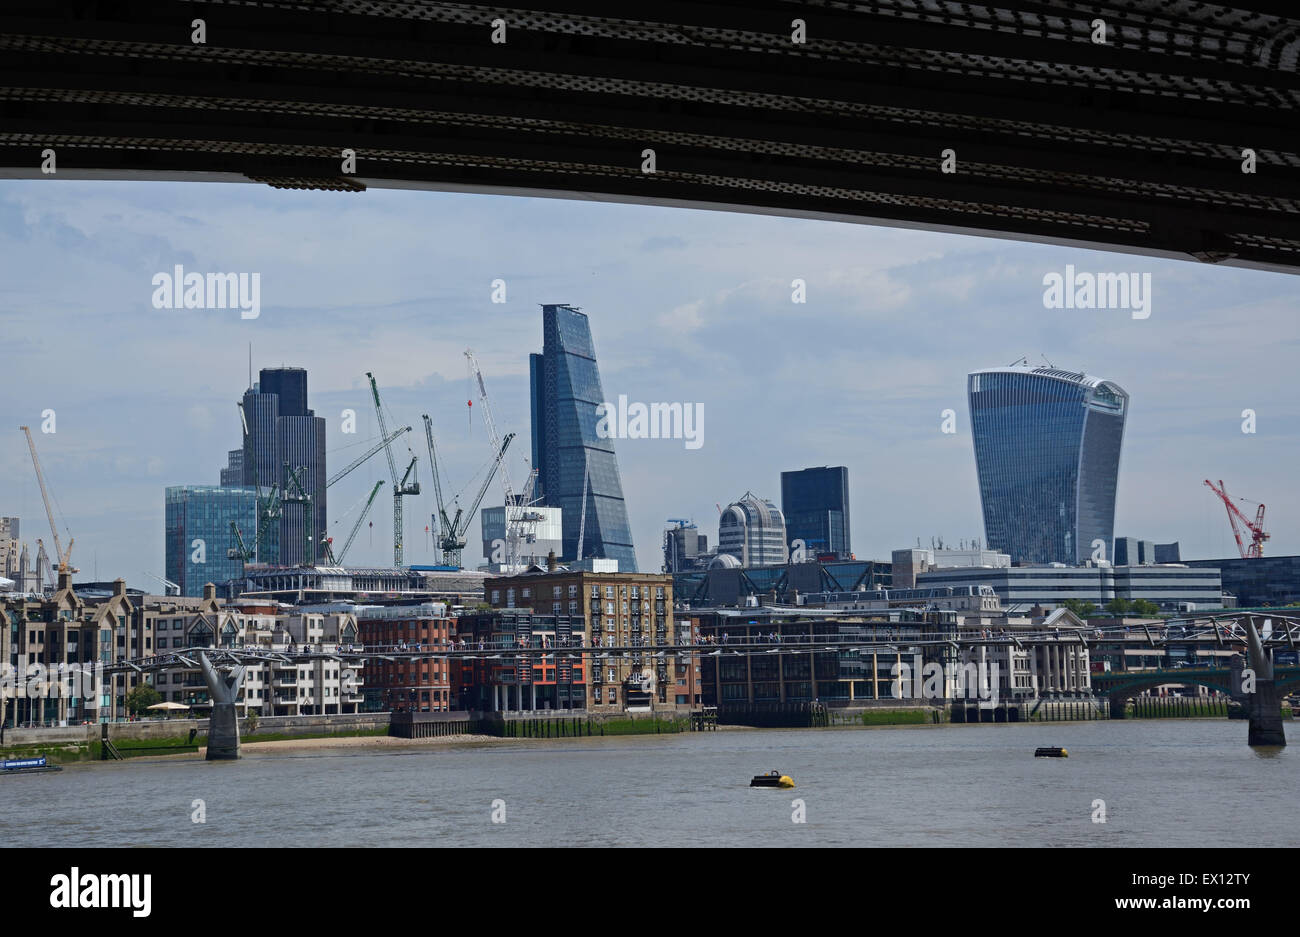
540	533
284	435
1167	553
1130	551
302	445
753	531
684	547
577	470
198	538
815	502
10	544
289	385
232	476
1047	446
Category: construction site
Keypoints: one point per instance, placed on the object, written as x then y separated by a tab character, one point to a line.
328	577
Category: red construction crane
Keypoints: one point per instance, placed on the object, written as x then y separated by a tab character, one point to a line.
1257	534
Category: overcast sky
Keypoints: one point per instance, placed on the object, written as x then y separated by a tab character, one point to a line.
685	305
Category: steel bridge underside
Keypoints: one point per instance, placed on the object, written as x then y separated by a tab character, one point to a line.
1135	144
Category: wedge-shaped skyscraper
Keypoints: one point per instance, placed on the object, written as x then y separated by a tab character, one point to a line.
1047	445
577	469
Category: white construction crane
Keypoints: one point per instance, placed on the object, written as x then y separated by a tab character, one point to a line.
168	585
64	557
400	487
450	539
512	525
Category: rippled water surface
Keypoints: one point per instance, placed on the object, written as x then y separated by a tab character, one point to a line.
1164	783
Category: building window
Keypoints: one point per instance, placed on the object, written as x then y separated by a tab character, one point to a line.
609	592
573	590
496	595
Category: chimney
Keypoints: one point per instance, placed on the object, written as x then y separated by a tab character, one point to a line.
65	580
551	563
119	586
209	592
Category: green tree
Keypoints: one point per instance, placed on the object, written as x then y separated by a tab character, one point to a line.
1119	606
1145	608
1081	608
141	697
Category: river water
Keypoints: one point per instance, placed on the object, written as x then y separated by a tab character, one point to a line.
1170	782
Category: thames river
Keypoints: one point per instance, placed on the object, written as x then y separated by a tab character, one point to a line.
1170	782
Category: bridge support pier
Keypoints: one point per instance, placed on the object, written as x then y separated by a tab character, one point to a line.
1265	711
223	724
1264	706
1118	706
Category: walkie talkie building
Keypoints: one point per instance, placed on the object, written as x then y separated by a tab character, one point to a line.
1047	447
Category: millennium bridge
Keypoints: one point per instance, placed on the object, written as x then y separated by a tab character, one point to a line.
1256	634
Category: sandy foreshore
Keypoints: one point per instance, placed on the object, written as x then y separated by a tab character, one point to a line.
362	741
324	743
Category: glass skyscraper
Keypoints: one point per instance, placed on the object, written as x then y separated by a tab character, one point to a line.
283	436
566	391
815	502
1047	446
198	539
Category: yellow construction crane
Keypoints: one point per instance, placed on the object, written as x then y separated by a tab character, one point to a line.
64	556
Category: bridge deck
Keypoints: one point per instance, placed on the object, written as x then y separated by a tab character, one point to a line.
1134	144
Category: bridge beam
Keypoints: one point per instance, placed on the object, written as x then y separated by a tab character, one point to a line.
223	724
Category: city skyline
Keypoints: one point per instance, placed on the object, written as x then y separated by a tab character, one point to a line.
687	306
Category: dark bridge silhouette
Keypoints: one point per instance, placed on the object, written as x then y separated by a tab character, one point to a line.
1136	143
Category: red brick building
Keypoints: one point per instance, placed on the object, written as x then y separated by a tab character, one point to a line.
500	681
421	685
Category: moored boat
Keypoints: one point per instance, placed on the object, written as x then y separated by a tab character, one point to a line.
27	766
772	779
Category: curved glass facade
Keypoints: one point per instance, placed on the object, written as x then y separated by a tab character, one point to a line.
1047	446
566	449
